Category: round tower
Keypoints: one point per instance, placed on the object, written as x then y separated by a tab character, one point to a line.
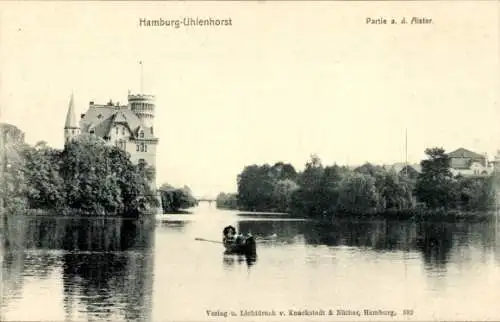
144	107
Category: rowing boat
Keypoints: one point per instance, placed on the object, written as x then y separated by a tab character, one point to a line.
241	246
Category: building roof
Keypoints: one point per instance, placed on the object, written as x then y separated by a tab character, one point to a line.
464	153
70	115
400	166
417	167
102	118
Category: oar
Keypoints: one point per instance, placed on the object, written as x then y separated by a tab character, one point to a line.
219	242
208	240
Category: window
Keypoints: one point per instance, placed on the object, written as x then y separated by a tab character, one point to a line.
123	131
142	147
141	134
117	130
92	132
151	130
122	144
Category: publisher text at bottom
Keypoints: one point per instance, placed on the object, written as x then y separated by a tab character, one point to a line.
306	313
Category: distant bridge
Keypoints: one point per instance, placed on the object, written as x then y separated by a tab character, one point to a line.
206	199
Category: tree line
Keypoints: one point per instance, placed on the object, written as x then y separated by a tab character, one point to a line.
173	199
86	177
322	191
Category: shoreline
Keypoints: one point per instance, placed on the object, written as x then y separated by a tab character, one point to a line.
407	214
417	215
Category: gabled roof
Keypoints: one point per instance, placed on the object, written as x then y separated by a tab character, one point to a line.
464	153
102	129
119	117
96	115
417	167
102	118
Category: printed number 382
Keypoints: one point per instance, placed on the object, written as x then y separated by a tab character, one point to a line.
407	312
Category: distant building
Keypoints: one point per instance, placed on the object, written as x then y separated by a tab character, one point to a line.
468	163
129	127
410	170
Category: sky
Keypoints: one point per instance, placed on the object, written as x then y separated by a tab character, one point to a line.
285	80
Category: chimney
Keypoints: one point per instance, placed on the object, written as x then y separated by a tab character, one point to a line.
91	103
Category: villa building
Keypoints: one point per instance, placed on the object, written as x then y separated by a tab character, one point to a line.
129	126
468	163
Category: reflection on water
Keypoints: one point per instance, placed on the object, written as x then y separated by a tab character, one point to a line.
232	260
103	269
174	225
105	265
434	241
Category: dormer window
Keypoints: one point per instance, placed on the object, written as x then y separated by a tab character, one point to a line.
99	116
141	134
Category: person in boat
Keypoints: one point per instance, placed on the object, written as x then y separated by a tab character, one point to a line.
229	235
236	242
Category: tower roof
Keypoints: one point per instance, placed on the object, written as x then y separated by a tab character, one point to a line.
70	115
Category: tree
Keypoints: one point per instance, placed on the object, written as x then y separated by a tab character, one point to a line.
256	187
227	201
435	185
329	188
45	186
476	193
91	180
395	192
174	199
305	199
101	179
283	171
12	182
283	192
358	194
13	187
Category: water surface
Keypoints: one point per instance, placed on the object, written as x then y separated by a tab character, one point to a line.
61	269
